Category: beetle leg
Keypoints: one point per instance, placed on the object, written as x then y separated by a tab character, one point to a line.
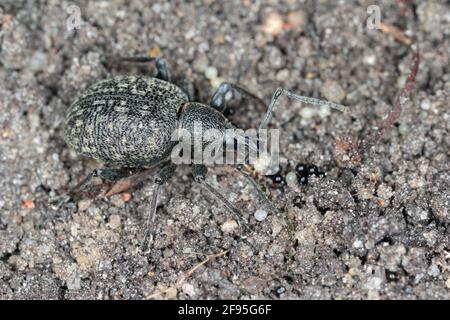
199	172
280	91
163	71
163	175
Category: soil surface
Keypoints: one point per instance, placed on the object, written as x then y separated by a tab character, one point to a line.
375	227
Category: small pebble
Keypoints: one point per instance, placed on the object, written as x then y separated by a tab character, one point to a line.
297	20
277	226
126	196
280	290
200	63
370	60
308	113
373	283
188	289
262	163
37	62
114	221
74	280
373	295
229	226
433	270
216	82
157	8
323	112
117	201
167	253
84	204
18	262
253	285
274	24
282	75
211	73
260	215
385	191
333	91
425	104
28	204
404	129
171	293
358	244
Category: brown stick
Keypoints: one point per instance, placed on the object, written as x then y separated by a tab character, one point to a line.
398	34
402	98
186	275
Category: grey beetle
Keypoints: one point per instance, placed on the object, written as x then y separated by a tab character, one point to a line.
127	122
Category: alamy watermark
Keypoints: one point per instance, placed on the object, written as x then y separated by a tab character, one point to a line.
74	21
373	21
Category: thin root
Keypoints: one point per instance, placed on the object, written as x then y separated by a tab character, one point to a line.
161	293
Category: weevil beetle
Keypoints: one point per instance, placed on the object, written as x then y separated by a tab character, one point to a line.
127	121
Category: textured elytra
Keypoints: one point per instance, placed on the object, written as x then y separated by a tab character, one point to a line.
125	121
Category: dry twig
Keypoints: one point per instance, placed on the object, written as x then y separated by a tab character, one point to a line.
163	292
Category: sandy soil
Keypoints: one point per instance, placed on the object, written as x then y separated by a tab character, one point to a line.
376	227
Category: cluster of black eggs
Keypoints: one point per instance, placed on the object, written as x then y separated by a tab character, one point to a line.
302	172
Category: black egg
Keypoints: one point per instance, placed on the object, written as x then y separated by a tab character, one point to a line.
313	170
303	180
277	178
300	168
